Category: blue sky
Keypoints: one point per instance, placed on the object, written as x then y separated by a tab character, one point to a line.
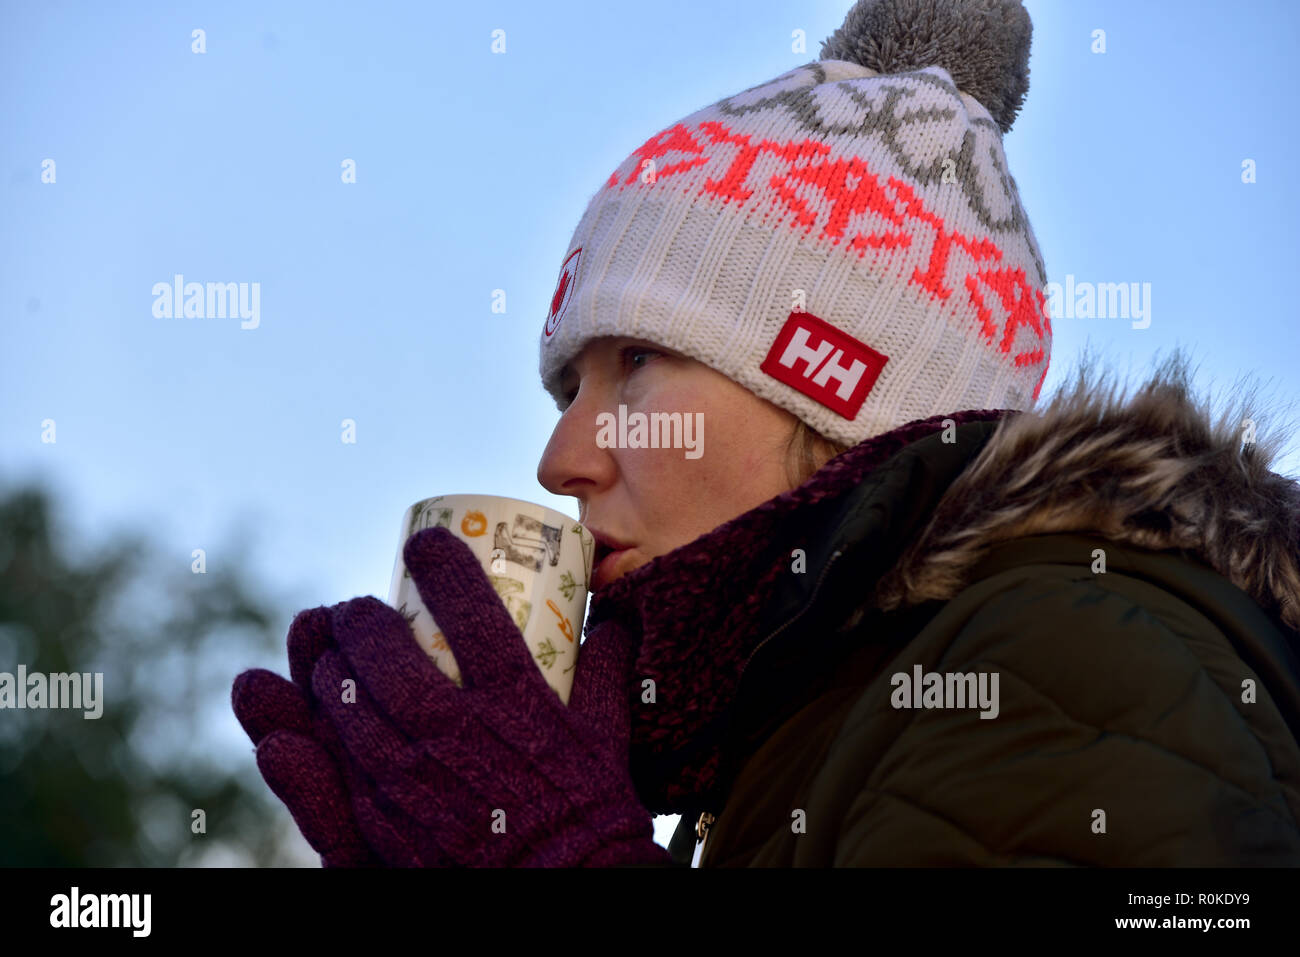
472	169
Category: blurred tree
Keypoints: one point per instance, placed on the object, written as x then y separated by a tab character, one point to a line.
121	790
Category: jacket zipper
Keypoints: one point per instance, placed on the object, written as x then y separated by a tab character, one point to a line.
795	617
706	820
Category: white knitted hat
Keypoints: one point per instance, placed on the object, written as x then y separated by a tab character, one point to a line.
845	241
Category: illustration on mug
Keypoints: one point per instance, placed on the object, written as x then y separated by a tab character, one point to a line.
528	541
511	591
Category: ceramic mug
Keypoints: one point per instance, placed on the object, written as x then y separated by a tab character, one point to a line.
538	561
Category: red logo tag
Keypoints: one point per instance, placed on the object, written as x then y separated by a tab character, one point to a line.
824	363
563	292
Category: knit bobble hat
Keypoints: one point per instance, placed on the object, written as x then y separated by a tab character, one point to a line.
845	241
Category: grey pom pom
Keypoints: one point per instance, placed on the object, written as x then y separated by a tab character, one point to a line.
983	44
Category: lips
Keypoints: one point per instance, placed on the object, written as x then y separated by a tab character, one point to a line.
606	544
609	553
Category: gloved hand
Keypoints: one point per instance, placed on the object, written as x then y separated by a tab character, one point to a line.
298	751
499	773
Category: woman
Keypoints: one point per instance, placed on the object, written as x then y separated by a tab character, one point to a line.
884	617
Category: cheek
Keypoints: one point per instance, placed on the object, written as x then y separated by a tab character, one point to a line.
740	468
746	450
732	452
674	489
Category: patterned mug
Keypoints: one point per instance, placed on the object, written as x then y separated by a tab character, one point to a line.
537	559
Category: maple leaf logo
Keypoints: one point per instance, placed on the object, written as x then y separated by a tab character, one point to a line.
563	292
559	294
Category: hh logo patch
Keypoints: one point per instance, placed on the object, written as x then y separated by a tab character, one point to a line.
563	292
824	363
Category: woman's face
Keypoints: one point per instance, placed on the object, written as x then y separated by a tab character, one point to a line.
645	502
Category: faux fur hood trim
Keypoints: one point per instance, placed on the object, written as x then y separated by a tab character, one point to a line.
1154	471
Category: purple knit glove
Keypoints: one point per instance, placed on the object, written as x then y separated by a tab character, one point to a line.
298	752
499	773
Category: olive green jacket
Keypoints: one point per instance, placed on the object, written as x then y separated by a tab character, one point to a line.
1126	574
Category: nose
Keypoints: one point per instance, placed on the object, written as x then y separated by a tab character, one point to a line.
572	463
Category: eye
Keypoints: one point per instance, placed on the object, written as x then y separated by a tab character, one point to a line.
631	353
630	358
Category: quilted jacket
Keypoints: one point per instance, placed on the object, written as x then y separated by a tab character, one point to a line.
1060	637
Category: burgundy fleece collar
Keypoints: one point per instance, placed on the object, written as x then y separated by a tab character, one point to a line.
698	611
